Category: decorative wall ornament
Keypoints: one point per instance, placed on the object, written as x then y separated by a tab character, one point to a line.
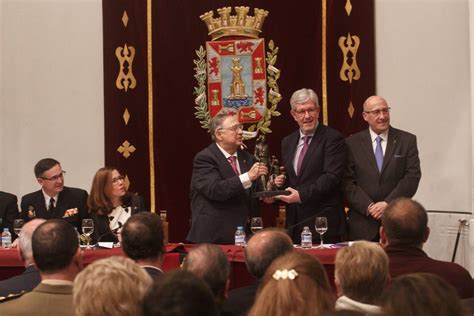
349	46
126	149
125	18
241	77
126	116
125	78
348	7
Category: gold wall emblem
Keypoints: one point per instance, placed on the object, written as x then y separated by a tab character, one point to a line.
126	149
349	69
125	78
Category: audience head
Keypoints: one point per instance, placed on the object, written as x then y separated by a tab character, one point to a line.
305	110
421	294
111	286
362	272
263	248
404	222
107	191
142	237
377	114
24	239
55	247
210	264
50	176
294	284
179	293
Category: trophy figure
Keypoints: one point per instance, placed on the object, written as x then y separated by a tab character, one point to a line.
262	155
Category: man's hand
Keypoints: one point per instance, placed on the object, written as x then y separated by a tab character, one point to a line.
294	197
280	180
258	169
377	209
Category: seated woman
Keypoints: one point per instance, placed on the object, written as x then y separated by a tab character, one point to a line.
110	205
294	284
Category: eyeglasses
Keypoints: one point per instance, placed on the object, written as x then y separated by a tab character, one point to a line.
303	112
377	112
234	128
56	177
118	179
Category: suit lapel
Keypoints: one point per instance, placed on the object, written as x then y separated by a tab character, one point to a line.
391	145
61	204
243	162
290	153
223	163
315	141
39	205
368	149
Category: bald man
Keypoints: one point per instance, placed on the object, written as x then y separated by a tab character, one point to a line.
29	279
382	165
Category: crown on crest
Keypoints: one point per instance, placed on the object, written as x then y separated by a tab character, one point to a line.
240	24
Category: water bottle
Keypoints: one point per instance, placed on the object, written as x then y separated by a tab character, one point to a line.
6	239
306	238
239	236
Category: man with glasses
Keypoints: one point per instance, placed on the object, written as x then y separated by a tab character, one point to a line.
54	200
314	157
383	165
223	176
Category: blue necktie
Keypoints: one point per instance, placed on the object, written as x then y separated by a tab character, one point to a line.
379	152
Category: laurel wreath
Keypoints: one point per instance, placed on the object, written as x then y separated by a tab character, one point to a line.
273	94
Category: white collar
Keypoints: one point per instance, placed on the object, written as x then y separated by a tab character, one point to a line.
225	153
374	135
47	197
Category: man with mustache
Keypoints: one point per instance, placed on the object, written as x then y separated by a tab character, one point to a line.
223	176
383	165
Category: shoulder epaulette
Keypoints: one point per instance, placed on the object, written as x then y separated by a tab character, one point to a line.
11	296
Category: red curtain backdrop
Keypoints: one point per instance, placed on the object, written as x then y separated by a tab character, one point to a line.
161	126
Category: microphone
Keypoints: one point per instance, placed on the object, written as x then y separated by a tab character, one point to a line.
307	219
114	232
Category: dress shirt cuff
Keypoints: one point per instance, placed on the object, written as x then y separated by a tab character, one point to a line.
245	179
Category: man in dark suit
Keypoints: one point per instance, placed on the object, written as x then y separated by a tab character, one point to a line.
59	260
8	211
262	249
143	241
29	279
314	157
403	232
383	165
54	200
222	179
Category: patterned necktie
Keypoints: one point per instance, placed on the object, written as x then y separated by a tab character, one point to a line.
51	205
379	152
233	163
302	154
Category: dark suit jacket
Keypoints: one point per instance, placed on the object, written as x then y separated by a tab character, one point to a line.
68	198
26	281
364	184
240	300
406	259
318	183
8	211
219	202
102	223
153	272
44	300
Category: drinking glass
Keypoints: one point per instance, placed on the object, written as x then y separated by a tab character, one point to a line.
256	224
321	226
88	229
17	225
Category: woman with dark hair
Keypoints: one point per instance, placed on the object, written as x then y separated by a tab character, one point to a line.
110	205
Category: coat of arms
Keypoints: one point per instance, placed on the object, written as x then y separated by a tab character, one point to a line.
235	73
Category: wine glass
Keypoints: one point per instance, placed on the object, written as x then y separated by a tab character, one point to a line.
17	225
321	226
256	224
88	229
